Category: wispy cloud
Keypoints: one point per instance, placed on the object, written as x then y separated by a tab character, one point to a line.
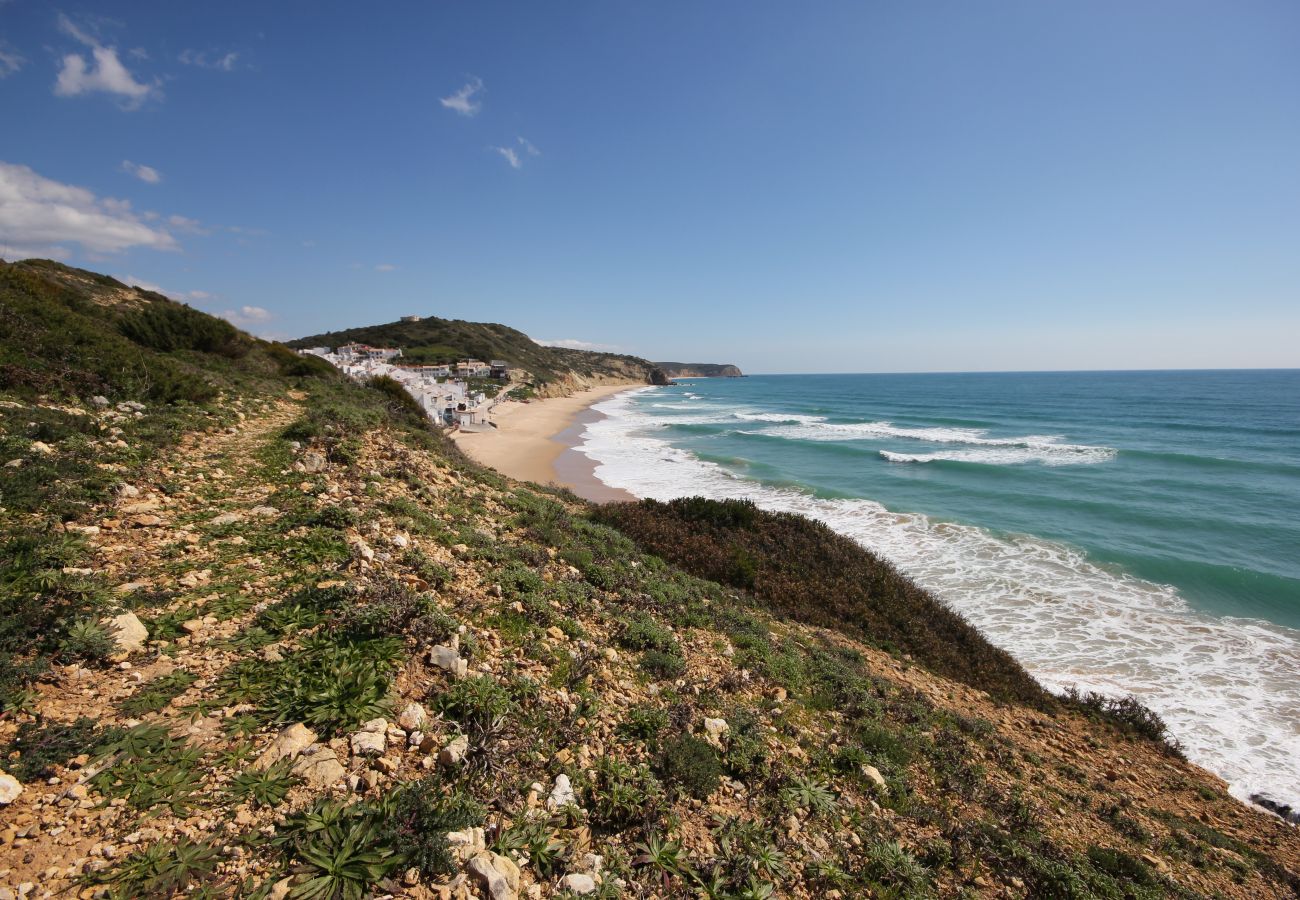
10	60
575	344
210	59
509	155
40	214
186	224
385	267
512	153
102	71
463	100
147	174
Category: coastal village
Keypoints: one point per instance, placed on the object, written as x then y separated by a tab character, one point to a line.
445	392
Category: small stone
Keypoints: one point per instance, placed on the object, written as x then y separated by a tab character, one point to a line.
610	654
496	874
449	658
454	753
562	794
413	717
320	769
192	626
874	776
99	401
312	461
579	883
129	632
281	889
386	765
714	729
42	448
287	744
263	512
467	843
229	518
10	788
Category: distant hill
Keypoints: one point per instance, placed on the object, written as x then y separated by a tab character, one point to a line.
699	370
433	340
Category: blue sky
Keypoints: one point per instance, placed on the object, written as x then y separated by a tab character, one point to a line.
829	186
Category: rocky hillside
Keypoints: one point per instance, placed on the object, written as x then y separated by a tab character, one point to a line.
275	638
699	370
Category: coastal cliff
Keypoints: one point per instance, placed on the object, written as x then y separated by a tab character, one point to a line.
267	633
699	370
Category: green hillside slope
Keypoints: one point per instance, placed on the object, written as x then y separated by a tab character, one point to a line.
433	340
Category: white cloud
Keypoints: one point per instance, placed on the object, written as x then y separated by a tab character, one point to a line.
246	316
529	147
103	71
575	344
215	59
10	60
510	156
38	212
147	174
199	295
463	100
385	267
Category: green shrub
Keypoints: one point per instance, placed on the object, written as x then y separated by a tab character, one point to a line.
40	746
1121	865
662	665
803	570
1128	714
166	325
620	796
479	705
87	640
419	818
642	632
165	869
689	766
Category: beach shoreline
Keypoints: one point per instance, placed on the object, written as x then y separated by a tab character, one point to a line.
535	441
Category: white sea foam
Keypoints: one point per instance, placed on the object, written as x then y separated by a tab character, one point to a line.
794	418
1229	689
1047	454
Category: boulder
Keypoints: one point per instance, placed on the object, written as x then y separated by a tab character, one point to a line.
10	788
129	632
497	875
287	744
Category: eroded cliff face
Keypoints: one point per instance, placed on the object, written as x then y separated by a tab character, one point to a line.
574	382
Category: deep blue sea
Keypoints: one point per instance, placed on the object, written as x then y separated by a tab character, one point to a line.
1130	532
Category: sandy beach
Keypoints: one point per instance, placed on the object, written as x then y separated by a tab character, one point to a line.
533	442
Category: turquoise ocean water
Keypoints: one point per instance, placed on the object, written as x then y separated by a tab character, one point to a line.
1131	532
